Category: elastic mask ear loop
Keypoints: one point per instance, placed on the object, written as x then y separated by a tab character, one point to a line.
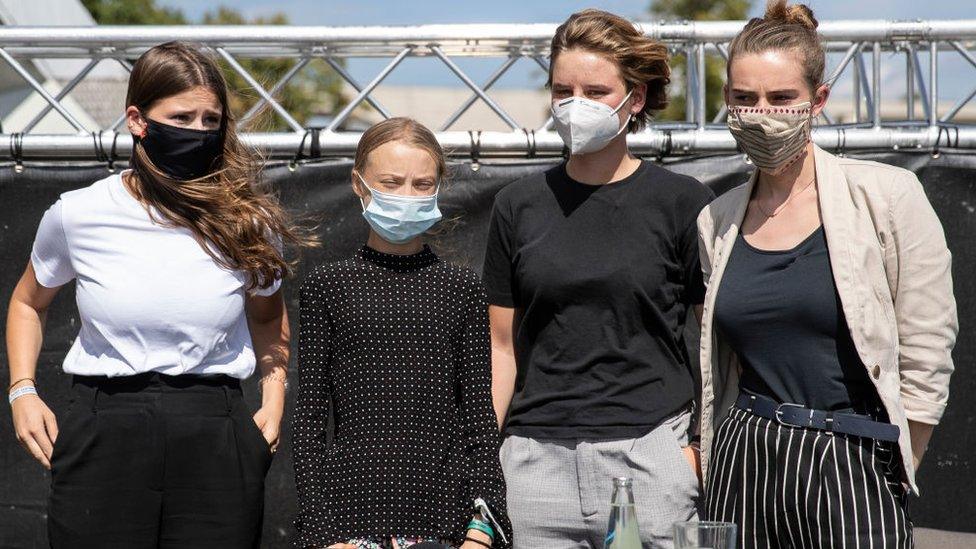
362	200
621	105
626	123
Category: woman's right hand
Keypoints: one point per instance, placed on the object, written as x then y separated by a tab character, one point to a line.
36	427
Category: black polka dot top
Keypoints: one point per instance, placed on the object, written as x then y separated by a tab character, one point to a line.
398	347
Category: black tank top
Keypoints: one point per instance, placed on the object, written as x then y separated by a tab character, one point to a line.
780	312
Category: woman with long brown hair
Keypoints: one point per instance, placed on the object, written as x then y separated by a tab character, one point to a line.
178	265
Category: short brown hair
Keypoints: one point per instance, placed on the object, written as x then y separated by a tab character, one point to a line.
784	27
641	60
400	129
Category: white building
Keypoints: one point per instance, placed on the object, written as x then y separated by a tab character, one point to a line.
96	102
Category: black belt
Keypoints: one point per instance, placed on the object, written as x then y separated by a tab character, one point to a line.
145	380
794	415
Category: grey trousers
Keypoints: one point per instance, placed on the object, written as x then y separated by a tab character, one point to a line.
559	490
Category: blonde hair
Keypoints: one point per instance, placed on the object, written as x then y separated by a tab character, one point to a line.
230	208
786	27
402	129
641	60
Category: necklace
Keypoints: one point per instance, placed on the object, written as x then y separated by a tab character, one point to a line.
786	202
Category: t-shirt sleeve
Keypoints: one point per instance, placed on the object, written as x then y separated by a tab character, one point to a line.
498	278
694	293
50	256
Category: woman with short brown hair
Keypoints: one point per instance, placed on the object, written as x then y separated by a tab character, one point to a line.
592	268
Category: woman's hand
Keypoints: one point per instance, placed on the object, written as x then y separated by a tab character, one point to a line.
268	420
267	321
478	535
35	426
342	546
693	454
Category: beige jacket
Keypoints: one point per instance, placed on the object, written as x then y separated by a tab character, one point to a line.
892	270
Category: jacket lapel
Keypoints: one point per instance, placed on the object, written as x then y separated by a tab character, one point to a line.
728	232
837	211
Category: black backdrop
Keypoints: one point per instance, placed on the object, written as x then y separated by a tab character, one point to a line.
322	191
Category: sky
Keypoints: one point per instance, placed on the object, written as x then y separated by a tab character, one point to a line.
406	12
958	81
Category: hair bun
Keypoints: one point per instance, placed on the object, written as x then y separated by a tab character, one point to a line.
795	14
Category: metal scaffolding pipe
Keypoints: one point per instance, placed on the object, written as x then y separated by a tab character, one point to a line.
698	40
111	36
679	142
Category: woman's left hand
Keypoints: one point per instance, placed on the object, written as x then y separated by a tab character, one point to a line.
268	420
476	534
693	456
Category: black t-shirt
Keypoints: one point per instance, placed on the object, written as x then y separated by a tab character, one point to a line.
780	312
602	277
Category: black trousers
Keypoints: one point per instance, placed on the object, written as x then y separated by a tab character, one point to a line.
788	487
154	461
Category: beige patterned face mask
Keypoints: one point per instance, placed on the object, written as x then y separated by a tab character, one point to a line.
772	137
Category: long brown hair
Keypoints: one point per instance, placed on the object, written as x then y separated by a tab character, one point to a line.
641	60
784	27
231	211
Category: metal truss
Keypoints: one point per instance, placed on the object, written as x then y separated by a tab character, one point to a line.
860	51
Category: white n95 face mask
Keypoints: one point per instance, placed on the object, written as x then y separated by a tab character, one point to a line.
585	125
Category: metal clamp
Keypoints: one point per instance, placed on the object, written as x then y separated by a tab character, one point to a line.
475	137
530	142
17	151
300	153
100	154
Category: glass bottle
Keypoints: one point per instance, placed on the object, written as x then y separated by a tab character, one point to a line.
622	532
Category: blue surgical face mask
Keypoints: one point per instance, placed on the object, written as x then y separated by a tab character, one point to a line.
399	219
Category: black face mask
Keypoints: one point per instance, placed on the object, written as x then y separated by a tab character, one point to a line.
182	153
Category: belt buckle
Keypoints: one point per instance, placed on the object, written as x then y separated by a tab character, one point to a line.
779	414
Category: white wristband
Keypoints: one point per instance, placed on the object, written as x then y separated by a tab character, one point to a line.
29	390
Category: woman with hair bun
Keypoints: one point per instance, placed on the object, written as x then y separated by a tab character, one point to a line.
829	318
591	270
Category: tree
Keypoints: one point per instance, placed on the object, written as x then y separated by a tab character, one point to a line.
315	87
132	12
699	10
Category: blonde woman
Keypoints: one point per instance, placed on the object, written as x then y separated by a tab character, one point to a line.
395	342
829	318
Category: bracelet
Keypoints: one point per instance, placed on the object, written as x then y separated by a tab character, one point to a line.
20	380
29	390
275	376
478	541
481	526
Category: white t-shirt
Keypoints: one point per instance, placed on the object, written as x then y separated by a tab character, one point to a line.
149	296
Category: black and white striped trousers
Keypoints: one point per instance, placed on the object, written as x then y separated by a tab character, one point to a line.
789	487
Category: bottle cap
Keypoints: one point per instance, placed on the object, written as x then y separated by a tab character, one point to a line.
623	481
